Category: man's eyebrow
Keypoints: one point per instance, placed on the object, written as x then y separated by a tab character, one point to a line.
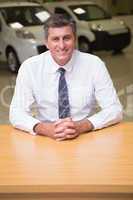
54	36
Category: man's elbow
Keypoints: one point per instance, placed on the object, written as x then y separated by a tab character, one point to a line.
12	117
119	116
118	113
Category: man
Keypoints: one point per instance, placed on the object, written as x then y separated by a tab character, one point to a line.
85	79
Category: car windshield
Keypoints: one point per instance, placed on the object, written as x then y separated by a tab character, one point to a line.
25	16
89	12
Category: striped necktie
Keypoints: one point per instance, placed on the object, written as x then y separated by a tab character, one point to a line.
63	100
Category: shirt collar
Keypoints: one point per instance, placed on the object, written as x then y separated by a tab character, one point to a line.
54	66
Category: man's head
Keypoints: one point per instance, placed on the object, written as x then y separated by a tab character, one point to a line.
60	37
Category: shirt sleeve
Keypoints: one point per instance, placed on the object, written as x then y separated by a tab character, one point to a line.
105	93
20	109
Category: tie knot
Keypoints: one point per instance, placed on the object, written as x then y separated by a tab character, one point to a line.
62	71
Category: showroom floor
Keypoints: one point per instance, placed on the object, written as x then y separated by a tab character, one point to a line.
121	70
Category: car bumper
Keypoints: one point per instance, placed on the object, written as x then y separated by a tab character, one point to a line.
105	41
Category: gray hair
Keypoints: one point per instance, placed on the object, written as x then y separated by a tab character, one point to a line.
57	21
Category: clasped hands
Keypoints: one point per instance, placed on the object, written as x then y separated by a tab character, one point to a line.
62	129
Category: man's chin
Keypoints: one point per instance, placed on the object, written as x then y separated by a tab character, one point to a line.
63	55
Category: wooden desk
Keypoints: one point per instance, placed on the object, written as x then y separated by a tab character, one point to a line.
95	166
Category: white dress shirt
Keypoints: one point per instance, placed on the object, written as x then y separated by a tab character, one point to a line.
88	83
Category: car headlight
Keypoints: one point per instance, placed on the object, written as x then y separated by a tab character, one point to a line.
123	23
24	34
97	27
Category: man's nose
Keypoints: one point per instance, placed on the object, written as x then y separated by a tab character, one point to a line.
61	43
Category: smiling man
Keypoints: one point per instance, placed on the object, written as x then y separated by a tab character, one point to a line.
65	85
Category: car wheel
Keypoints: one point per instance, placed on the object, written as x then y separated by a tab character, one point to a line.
84	45
12	59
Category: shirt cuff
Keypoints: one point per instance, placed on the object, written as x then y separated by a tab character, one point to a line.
93	120
32	131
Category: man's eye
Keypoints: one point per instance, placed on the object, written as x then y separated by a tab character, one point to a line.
67	38
55	39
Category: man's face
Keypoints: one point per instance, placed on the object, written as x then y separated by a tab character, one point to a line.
61	43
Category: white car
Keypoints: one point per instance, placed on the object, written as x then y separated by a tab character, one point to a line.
21	32
96	29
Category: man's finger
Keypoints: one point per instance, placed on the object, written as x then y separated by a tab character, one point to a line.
70	131
59	129
71	136
59	121
60	135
